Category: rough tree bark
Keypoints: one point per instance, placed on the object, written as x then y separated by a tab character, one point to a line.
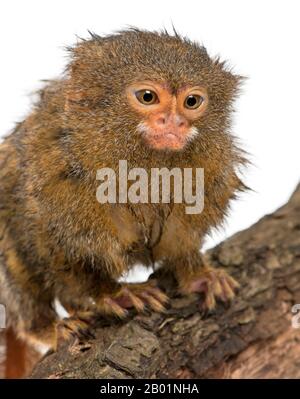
252	338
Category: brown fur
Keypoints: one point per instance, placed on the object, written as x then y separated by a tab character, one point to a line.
56	239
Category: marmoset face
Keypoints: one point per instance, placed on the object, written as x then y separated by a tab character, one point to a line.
167	116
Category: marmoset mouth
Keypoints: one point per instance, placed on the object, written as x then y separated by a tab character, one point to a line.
167	141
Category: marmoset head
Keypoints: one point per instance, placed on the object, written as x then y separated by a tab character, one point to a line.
148	89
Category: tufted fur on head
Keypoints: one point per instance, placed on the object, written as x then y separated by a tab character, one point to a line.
101	68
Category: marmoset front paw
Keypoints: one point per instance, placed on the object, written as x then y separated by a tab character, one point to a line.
132	295
214	284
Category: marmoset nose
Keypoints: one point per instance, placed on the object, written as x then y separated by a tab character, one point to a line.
160	121
163	121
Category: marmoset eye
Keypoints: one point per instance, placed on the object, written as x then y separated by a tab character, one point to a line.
193	101
147	97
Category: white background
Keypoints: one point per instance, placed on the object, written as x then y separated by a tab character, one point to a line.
259	38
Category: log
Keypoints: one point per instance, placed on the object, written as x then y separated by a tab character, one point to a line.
254	337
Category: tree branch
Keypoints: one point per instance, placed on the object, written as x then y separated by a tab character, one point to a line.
251	338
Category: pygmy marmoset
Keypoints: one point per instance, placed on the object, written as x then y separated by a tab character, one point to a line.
155	100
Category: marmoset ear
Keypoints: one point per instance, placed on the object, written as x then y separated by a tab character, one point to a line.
232	82
224	88
75	99
81	90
